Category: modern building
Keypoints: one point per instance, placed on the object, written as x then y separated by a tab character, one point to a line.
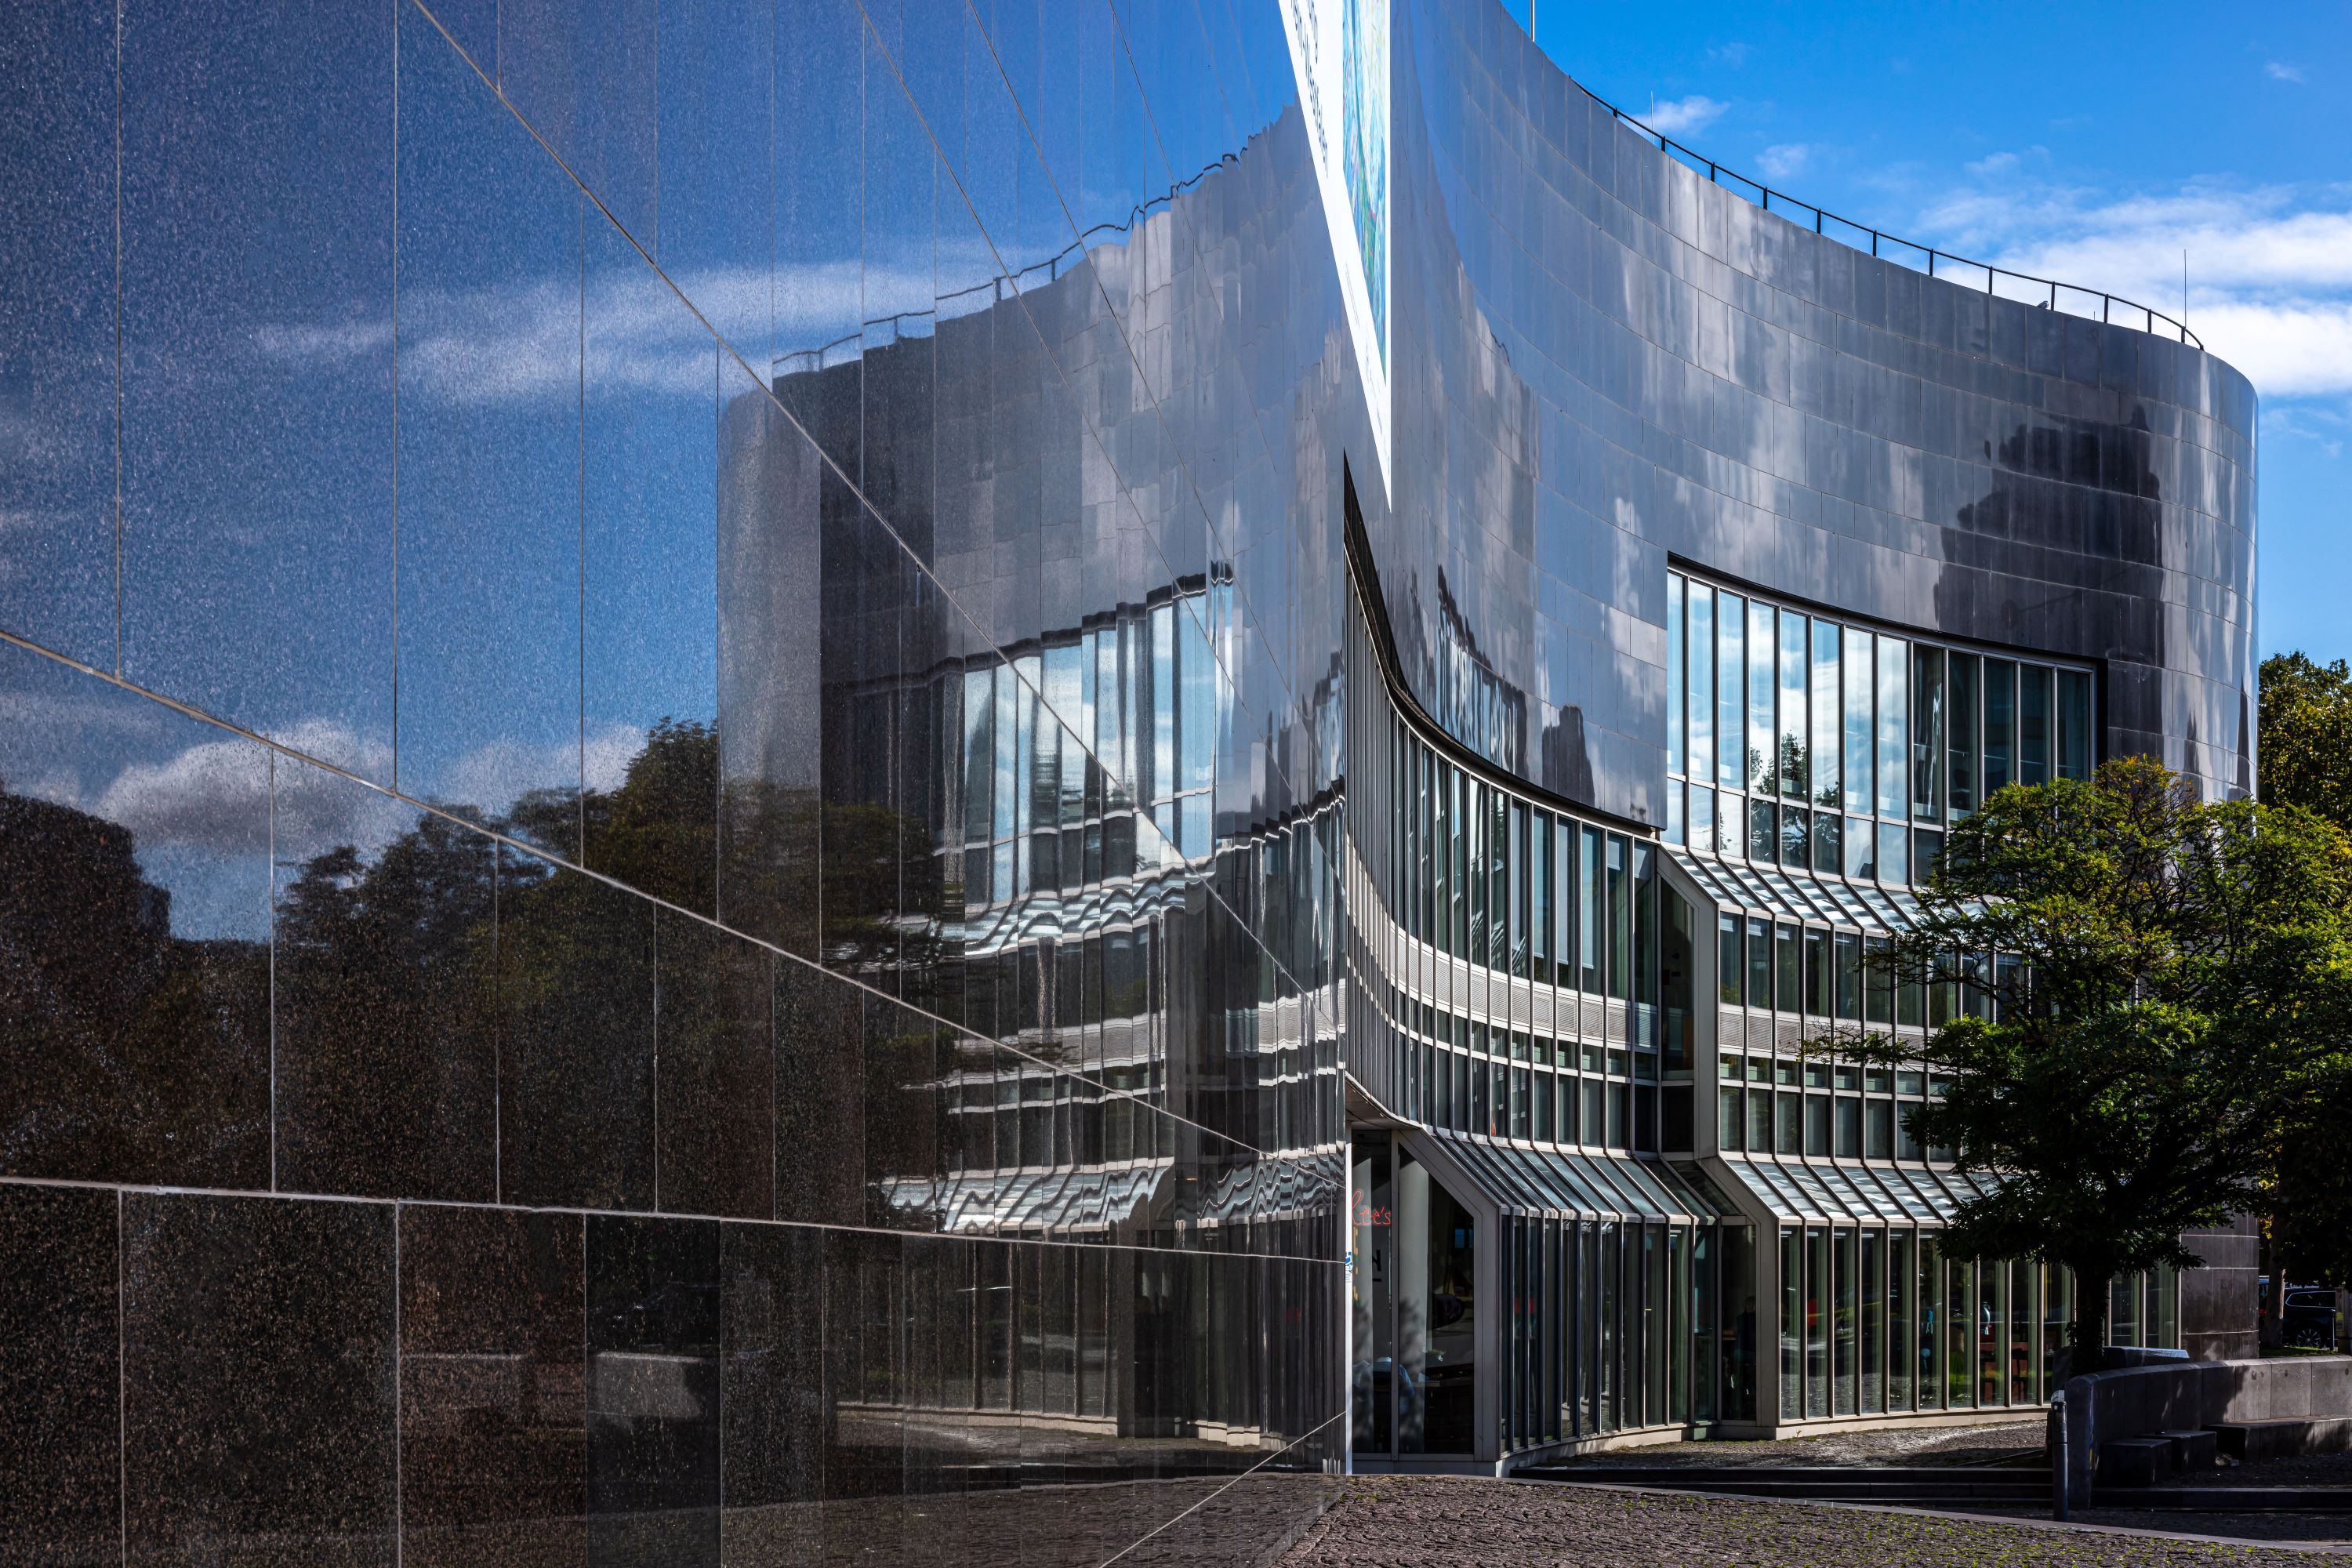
983	782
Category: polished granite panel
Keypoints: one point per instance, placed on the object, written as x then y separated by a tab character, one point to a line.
57	328
584	77
59	1376
714	1037
964	715
716	151
259	1393
819	1074
382	999
821	62
648	587
493	1412
489	354
770	581
134	873
256	316
654	1312
905	1053
864	1366
576	1038
770	1371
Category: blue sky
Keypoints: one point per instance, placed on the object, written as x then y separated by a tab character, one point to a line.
2088	143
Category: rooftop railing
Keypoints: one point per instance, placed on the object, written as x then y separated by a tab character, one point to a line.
2046	293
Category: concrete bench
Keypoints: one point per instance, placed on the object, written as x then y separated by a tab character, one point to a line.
2192	1451
2134	1462
2246	1440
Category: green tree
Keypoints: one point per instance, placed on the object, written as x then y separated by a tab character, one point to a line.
2171	973
2307	737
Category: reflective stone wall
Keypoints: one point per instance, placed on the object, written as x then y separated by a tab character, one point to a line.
1604	360
668	784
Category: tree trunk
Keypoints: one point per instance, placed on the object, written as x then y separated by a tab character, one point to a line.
2086	1335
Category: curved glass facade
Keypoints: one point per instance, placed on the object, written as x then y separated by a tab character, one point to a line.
782	775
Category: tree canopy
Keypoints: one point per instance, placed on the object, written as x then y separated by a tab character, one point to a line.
2132	991
2307	737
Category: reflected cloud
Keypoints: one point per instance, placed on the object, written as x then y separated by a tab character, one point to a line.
516	342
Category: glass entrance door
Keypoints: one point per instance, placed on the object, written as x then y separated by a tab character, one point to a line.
1414	1293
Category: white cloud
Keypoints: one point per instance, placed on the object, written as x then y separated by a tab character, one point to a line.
2278	70
2270	267
1684	116
493	776
1783	159
519	342
1734	55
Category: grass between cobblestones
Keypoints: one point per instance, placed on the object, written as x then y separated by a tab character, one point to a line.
1445	1521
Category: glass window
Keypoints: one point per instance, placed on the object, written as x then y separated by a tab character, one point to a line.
1817	974
1993	1334
1844	1328
1817	1125
1859	751
1539	886
1677	966
1519	891
1823	755
1564	893
1849	1127
1792	1324
1795	846
1501	906
1763	737
1591	932
1848	976
1894	727
2073	724
1878	984
1879	1116
1702	819
1760	964
1959	1332
1676	678
1730	693
1763	833
1794	733
1861	847
1621	920
1817	1313
1927	732
1788	1119
1699	710
1961	718
1894	853
1544	1125
2034	703
1786	967
1645	925
1928	1297
1999	724
1730	1125
1901	1342
1730	962
1760	1121
1828	841
1479	873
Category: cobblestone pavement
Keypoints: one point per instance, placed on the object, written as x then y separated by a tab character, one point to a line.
1445	1521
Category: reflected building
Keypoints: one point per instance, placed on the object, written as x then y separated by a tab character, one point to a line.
912	859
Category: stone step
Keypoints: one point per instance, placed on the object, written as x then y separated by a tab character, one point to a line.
1914	1483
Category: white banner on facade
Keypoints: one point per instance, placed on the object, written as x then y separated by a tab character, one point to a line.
1339	53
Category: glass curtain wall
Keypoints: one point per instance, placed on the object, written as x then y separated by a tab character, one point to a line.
1803	742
